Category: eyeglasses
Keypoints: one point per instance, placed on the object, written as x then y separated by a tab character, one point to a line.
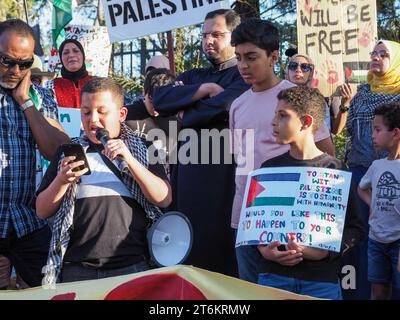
305	67
215	34
8	62
381	53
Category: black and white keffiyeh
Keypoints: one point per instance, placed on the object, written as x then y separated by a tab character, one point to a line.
363	105
64	216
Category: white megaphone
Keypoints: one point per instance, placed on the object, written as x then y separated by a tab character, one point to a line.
170	239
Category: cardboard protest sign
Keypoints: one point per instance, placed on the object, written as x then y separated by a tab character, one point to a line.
306	204
338	36
129	19
96	44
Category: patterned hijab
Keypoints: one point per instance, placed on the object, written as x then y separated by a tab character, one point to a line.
389	83
309	82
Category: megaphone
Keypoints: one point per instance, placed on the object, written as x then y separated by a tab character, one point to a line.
170	239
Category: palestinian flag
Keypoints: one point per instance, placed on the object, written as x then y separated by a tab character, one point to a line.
272	189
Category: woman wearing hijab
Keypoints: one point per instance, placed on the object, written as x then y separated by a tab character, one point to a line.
383	86
300	71
74	75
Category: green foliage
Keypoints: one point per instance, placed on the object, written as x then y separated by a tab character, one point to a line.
339	141
389	19
14	9
186	48
133	86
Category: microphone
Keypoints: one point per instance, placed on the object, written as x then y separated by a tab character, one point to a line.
103	136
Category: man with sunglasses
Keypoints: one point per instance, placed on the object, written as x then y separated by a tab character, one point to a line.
204	189
28	118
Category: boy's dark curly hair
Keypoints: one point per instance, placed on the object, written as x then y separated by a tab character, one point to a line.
390	113
305	101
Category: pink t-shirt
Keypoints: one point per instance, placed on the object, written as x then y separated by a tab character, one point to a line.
252	113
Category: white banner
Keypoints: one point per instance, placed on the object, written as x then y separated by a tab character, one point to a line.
306	204
129	19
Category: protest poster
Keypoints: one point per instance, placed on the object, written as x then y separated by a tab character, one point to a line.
97	46
338	35
96	43
129	19
306	204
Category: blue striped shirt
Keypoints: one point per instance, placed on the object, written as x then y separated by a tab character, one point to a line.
17	163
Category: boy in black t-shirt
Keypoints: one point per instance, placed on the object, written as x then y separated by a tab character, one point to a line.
292	267
101	219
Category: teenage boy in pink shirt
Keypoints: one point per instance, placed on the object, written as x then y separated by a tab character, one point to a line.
256	44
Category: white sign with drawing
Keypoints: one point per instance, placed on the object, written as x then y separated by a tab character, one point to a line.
306	204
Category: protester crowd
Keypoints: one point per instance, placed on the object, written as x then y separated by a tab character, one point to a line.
82	221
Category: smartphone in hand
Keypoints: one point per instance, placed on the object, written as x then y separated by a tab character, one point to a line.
75	149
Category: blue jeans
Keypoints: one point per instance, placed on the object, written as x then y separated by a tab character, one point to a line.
76	272
317	289
248	261
382	264
357	256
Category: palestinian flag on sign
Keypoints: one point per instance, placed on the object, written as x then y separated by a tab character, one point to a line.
272	189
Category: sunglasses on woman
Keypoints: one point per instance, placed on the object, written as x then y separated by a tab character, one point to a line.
8	62
381	53
305	67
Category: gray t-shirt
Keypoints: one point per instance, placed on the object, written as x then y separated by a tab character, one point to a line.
383	177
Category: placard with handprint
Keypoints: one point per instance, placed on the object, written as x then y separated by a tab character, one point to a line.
338	35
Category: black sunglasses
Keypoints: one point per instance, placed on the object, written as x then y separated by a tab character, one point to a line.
381	53
305	67
8	62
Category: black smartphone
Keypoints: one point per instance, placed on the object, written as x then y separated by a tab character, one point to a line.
75	149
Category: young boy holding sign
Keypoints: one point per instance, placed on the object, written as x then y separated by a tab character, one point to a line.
256	44
380	189
294	267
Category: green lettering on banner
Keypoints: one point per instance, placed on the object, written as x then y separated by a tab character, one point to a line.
65	117
272	201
